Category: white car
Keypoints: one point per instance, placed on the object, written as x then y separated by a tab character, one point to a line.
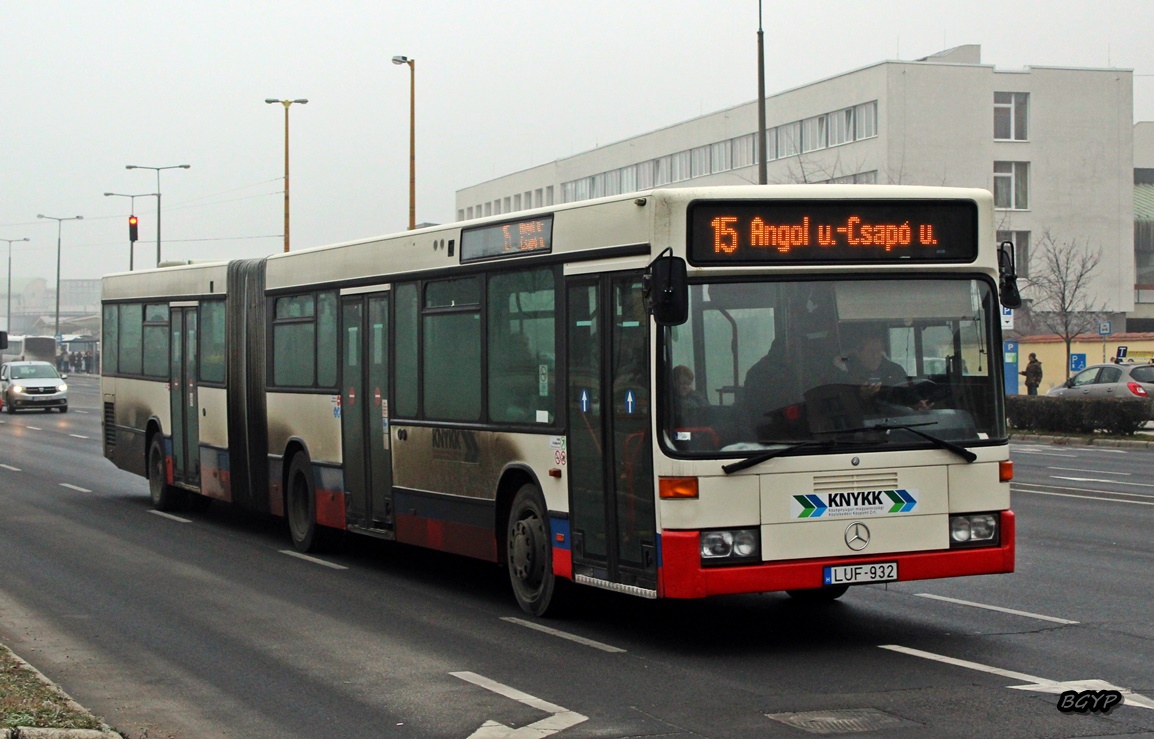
33	385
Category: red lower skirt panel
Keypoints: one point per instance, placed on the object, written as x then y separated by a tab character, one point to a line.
682	576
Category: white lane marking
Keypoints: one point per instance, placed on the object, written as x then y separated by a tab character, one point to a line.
571	637
1111	482
558	720
34	428
1100	472
77	488
314	560
1027	614
1040	454
1089	497
78	436
10	467
1039	684
170	517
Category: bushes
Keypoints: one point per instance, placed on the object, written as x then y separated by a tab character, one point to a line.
1078	415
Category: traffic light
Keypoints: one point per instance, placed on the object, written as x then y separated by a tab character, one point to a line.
132	222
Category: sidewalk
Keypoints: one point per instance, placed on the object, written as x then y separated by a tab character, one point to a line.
21	684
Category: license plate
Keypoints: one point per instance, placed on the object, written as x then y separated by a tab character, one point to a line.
852	574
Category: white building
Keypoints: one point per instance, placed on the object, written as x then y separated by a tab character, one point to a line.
1054	144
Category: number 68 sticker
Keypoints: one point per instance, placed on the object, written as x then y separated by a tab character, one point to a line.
559	457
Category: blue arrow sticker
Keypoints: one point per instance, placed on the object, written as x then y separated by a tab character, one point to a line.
584	401
630	401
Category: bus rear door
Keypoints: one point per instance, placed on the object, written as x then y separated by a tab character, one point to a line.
612	516
183	396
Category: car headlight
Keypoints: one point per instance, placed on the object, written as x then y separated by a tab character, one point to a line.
17	388
974	529
726	546
62	387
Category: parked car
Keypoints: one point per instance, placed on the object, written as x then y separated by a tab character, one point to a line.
33	385
1109	381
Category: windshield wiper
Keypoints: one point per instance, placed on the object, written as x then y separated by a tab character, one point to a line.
940	443
788	446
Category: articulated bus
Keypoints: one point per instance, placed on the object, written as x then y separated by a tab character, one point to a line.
677	393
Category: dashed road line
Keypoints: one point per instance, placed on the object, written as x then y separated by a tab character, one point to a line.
564	635
314	560
10	467
1088	497
1000	609
78	436
170	517
77	488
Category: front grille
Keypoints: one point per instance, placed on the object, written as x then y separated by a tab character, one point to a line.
851	482
40	390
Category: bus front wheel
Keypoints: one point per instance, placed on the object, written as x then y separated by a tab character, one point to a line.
529	554
164	496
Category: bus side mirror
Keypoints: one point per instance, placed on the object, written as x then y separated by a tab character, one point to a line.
1008	276
666	288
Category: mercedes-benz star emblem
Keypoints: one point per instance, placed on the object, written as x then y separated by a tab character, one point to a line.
857	536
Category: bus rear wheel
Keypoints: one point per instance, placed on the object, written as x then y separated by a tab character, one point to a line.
164	496
529	554
301	508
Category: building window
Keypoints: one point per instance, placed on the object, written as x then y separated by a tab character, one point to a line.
645	175
681	170
865	119
549	195
488	209
1021	242
841	127
744	151
538	198
661	170
1011	118
1012	185
699	161
866	178
517	202
788	140
629	178
719	156
813	132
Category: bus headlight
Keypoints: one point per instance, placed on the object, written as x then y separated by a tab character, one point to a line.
726	546
974	529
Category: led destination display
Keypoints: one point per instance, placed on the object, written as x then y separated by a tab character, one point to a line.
852	231
532	235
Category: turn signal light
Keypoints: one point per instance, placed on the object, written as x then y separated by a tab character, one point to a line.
677	487
1005	471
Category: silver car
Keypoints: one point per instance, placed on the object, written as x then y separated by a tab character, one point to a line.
1109	381
33	385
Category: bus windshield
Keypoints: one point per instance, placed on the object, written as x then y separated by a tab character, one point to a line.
880	363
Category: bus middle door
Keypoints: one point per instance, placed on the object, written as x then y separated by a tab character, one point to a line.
365	410
612	514
183	395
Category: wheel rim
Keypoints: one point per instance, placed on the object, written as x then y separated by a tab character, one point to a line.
527	552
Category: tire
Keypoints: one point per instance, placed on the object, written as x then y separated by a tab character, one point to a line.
63	409
818	595
529	554
301	506
164	496
9	405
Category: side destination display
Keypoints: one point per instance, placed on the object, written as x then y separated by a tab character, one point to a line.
749	232
516	238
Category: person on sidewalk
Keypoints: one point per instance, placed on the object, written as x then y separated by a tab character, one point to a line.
1033	374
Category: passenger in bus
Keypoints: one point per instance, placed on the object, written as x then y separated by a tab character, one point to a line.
770	395
689	403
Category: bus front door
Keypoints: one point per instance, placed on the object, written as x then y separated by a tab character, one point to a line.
183	396
365	411
612	516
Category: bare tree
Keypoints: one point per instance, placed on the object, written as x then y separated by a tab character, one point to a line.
1060	273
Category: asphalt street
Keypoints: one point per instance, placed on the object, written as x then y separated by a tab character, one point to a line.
206	624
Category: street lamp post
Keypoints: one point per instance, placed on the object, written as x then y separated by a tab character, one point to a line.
412	136
59	223
157	169
8	315
286	104
132	213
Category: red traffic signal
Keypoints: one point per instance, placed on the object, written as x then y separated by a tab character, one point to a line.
132	232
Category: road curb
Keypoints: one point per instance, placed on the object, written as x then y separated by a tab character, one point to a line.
30	732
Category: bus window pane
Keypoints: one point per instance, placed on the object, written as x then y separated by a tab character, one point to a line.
294	349
212	341
450	293
156	351
522	354
130	339
110	339
405	400
327	340
452	375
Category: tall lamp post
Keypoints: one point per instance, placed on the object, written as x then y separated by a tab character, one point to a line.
762	154
286	104
157	169
8	315
412	136
59	223
131	215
